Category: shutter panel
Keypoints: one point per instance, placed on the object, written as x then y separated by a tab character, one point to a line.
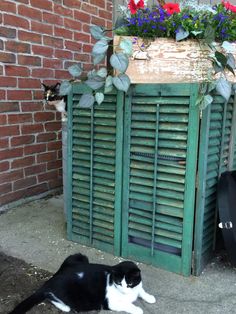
157	126
94	173
214	158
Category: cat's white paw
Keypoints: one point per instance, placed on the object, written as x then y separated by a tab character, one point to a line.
150	298
138	310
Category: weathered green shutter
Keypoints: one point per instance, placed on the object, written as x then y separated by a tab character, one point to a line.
95	155
160	153
214	159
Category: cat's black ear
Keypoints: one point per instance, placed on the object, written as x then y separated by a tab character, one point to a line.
45	86
58	84
136	272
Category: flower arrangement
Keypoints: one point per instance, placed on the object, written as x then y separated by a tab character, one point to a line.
179	21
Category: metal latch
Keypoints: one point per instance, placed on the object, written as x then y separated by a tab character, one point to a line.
226	225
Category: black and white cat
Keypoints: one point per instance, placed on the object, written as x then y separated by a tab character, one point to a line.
52	97
82	286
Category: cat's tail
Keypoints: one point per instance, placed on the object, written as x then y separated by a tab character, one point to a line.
28	303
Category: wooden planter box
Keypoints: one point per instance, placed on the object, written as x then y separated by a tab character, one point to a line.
171	62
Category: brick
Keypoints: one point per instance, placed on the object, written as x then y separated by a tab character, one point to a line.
41	28
38	95
32	13
24	183
49	175
72	4
45	4
97	21
45	157
29	83
105	14
23	162
53	126
42	51
42	73
63	32
3	119
52	18
54	145
36	169
5	188
53	42
52	63
9	106
46	137
82	37
72	45
7	6
12	197
7	32
62	74
7	57
20	118
82	17
72	24
11	153
2	94
9	130
29	60
44	116
23	1
61	10
32	128
16	46
31	106
4	166
11	176
87	48
99	3
63	54
55	183
17	21
19	94
82	57
4	142
13	70
8	81
30	37
32	149
55	164
22	140
38	189
86	7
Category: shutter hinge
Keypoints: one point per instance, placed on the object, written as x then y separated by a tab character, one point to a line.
193	262
197	181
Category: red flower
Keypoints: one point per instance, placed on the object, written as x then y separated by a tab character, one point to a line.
229	6
134	7
171	8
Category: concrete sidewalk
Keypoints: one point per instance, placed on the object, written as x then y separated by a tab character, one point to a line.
36	233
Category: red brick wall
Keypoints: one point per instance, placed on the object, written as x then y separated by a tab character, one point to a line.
39	39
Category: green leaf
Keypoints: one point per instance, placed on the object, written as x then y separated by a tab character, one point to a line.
86	101
119	61
231	60
120	22
227	46
209	34
100	47
224	88
75	70
99	98
97	32
95	82
65	88
221	58
121	82
195	33
230	69
206	101
92	73
108	84
97	58
102	72
127	46
181	34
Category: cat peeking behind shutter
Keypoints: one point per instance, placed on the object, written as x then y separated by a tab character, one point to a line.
53	97
81	286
